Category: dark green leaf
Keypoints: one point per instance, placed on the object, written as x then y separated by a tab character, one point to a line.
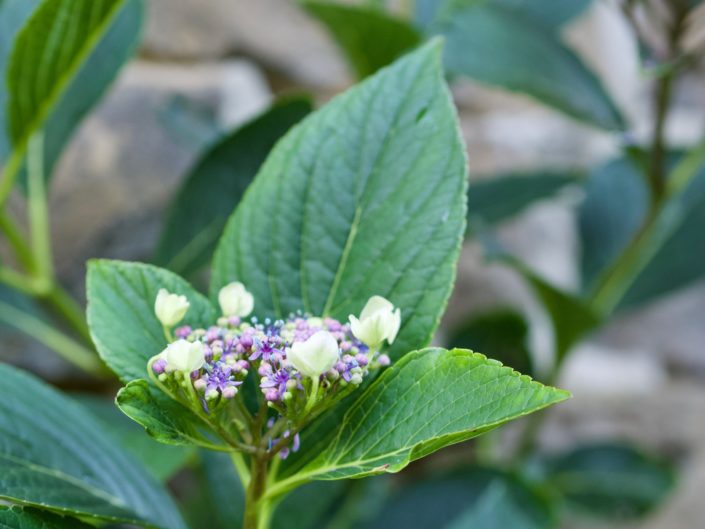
429	399
159	460
499	47
552	13
121	315
24	518
369	38
571	316
214	187
13	15
612	481
466	499
54	454
501	334
496	199
58	53
615	206
366	196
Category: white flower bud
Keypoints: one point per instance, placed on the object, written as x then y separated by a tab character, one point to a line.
235	300
315	356
170	308
185	356
378	321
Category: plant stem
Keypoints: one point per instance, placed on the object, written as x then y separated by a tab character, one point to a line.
66	306
256	506
17	241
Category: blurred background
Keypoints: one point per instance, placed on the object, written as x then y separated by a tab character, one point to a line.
206	67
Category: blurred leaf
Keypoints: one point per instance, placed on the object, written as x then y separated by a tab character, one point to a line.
54	454
159	460
610	480
472	498
218	180
366	196
552	13
422	403
369	38
54	80
643	260
26	518
493	200
674	252
501	334
496	46
13	15
121	316
615	206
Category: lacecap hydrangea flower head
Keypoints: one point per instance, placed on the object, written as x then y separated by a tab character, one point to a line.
303	364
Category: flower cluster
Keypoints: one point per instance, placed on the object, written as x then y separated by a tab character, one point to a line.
303	363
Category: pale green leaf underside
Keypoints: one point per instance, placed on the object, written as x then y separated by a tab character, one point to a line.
428	400
121	316
366	196
54	455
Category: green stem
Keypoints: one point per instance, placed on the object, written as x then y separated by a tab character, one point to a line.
66	306
241	468
38	210
46	334
17	241
257	507
9	175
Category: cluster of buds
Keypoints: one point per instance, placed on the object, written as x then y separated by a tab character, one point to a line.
303	364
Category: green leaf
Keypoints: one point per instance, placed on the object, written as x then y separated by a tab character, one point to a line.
24	518
496	199
163	418
466	498
369	38
59	54
160	461
649	256
551	13
429	399
499	47
13	15
121	316
615	206
213	188
54	455
610	480
502	334
571	316
366	196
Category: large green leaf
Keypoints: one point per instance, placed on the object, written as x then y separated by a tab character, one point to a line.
465	499
121	316
54	455
429	399
493	200
369	38
610	480
497	46
366	196
61	62
215	185
159	460
25	518
502	333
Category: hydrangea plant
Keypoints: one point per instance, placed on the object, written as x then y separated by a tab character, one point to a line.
310	360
